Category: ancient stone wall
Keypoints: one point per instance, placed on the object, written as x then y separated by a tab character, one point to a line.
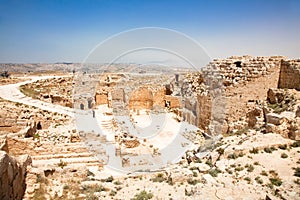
203	111
241	69
289	74
101	98
246	80
142	98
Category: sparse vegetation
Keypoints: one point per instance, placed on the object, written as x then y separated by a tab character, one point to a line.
259	180
220	151
250	168
282	146
254	151
232	156
264	173
295	144
109	179
192	181
62	164
297	172
209	163
214	172
284	155
159	178
248	179
143	195
275	181
268	150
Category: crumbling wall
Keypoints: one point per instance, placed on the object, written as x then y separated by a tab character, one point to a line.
204	111
289	74
242	69
246	80
101	98
142	98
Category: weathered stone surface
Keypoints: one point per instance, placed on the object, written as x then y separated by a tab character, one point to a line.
298	111
4	145
12	176
289	74
31	130
274	118
275	95
252	116
142	98
202	167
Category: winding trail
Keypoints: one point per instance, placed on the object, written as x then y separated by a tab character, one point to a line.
12	92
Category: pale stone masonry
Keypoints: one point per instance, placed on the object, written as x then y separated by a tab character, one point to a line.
289	74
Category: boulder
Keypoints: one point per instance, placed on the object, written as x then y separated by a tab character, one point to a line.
12	176
252	116
31	130
273	118
202	167
275	95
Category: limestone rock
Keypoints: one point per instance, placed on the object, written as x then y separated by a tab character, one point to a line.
274	118
275	95
31	130
202	167
252	116
12	176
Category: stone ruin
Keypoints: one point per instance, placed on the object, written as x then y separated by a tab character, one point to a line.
241	76
289	74
12	173
211	99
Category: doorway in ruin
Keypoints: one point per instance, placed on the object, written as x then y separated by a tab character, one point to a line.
39	126
90	104
238	63
81	106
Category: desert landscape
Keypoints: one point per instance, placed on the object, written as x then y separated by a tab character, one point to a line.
172	136
149	100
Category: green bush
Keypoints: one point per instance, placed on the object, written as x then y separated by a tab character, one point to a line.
282	146
297	172
214	172
264	173
284	155
250	168
248	179
159	178
259	180
109	179
143	195
268	150
275	181
192	181
296	144
232	156
254	151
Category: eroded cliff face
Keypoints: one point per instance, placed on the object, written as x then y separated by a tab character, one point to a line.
12	176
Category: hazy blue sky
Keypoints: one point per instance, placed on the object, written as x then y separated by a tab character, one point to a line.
66	30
